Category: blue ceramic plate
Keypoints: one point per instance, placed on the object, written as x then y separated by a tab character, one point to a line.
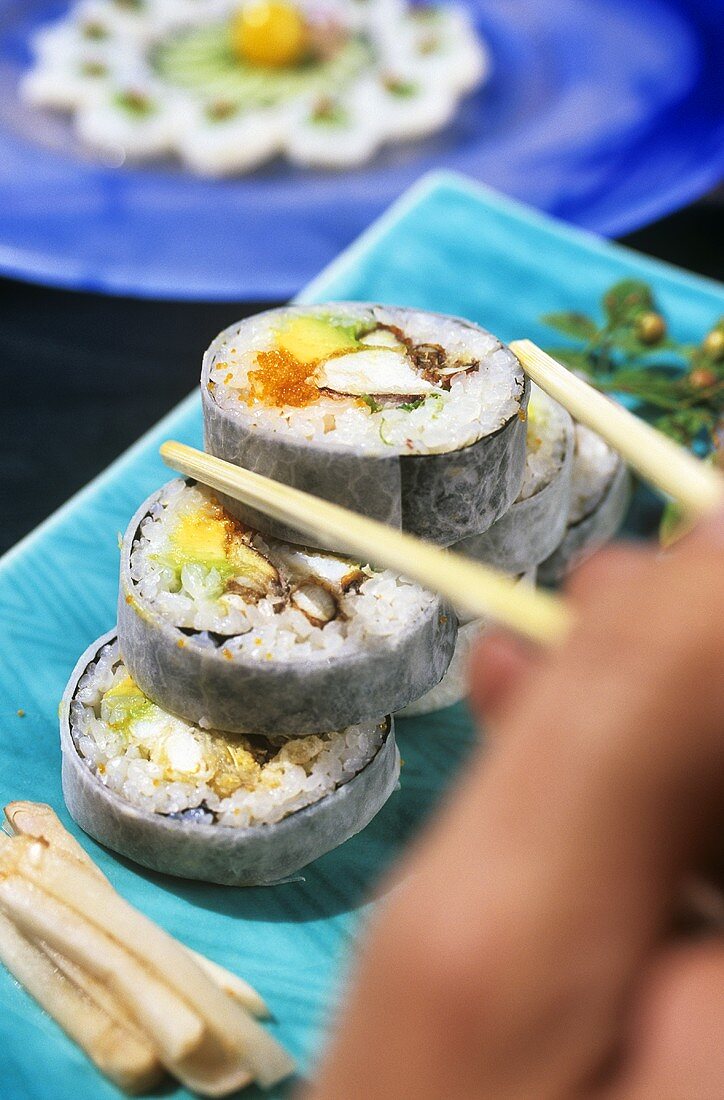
602	112
449	245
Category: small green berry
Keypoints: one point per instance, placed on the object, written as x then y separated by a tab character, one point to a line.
650	327
713	344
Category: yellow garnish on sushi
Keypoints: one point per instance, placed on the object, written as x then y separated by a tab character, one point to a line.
210	538
271	34
124	703
309	339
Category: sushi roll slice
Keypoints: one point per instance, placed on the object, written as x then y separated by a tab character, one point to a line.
74	83
220	138
76	61
411	106
445	49
88	24
333	131
206	805
601	492
253	635
454	685
169	16
129	19
415	419
535	523
133	120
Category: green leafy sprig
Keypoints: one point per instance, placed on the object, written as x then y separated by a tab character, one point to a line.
678	387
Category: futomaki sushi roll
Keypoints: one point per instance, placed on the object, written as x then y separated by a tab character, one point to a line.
454	685
413	418
204	804
535	523
601	491
246	633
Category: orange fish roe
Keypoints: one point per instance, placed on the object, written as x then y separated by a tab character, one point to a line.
280	379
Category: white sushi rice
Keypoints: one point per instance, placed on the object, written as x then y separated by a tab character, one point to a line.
121	134
339	132
477	403
594	465
436	52
454	685
380	611
164	765
545	442
226	146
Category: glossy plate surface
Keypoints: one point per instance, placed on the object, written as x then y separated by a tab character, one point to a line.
602	112
448	246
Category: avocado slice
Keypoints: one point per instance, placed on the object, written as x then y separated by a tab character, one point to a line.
309	339
210	538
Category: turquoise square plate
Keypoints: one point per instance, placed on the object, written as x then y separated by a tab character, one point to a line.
447	245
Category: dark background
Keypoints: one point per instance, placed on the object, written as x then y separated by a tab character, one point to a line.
84	375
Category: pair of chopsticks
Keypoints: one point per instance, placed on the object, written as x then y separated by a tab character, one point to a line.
469	586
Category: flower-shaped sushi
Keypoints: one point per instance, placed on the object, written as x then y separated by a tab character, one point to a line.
413	418
246	633
228	84
205	804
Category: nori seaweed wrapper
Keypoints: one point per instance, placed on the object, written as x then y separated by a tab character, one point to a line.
255	856
441	497
232	691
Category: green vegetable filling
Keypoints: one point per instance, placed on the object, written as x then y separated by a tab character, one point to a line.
135	103
329	113
124	704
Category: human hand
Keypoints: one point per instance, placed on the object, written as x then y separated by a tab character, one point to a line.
528	948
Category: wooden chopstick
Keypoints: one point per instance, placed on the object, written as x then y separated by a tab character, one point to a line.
697	487
476	589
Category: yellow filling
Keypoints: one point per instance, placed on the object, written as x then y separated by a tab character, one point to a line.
271	34
209	537
187	754
309	339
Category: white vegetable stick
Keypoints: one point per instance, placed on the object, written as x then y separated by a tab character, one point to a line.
191	1071
37	819
117	1052
198	1066
232	984
167	1020
239	1038
97	991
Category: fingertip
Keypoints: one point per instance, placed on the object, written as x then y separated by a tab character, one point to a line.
708	532
497	665
613	562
